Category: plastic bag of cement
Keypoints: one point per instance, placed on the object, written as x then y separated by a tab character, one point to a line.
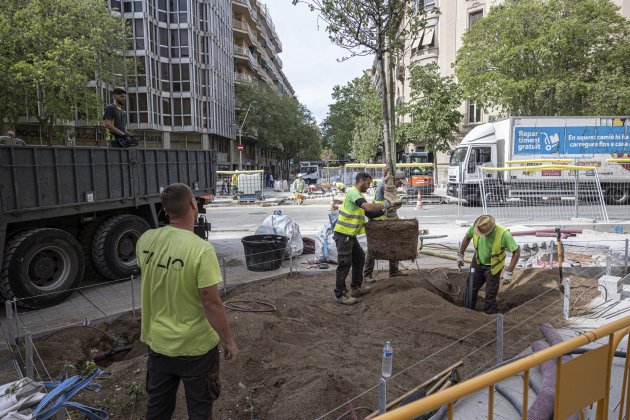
285	226
325	248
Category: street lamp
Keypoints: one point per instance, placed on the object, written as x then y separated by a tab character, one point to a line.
240	137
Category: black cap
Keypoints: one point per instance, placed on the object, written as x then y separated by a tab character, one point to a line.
119	91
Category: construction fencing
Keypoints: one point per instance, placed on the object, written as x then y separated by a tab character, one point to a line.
503	337
241	185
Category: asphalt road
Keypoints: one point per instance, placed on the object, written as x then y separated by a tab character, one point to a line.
230	220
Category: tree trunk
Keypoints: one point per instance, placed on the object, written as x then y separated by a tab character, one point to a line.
392	111
49	131
385	108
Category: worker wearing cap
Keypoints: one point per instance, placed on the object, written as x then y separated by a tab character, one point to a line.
390	214
299	186
491	241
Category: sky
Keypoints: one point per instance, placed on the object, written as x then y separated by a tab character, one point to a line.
309	58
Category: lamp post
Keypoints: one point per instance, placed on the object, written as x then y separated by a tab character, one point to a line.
240	137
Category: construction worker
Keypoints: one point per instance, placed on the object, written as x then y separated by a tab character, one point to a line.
235	182
491	241
299	187
391	214
351	223
340	186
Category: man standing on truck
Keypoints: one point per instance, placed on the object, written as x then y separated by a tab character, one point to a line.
115	119
391	214
183	317
491	241
349	225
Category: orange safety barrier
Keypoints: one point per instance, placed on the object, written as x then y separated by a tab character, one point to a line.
580	382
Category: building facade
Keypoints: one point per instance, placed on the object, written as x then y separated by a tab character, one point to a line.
257	49
439	43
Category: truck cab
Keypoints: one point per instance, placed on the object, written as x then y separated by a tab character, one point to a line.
478	148
310	172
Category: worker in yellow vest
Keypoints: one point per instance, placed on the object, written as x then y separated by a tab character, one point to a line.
491	241
391	214
349	225
235	182
299	188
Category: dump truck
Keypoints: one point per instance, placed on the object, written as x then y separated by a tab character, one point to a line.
72	212
601	142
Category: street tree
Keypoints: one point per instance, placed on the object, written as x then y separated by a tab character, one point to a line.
433	108
278	122
366	27
368	132
56	48
327	154
339	124
552	57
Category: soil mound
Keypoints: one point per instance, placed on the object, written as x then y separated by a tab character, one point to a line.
311	355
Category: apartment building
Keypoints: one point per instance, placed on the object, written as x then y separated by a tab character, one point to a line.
180	92
257	49
439	43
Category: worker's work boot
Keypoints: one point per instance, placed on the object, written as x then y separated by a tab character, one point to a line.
347	300
369	279
360	291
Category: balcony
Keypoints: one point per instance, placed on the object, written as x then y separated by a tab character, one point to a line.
241	51
243	78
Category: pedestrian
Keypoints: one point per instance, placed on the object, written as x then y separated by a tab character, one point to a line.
224	187
183	318
10	138
299	187
491	241
115	119
270	180
349	225
391	214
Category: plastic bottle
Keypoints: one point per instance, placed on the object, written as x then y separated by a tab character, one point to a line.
388	358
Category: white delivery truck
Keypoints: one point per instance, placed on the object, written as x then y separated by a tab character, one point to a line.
528	141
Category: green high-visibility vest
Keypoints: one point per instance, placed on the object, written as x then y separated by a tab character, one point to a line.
350	222
497	257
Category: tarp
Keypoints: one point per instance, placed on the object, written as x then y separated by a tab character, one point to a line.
325	248
281	224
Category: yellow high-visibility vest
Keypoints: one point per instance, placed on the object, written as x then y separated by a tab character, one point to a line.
350	222
497	257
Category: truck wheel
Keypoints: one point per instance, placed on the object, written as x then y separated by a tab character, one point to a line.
617	195
86	239
114	246
41	262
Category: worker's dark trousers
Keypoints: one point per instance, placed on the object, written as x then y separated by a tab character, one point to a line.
484	275
349	255
200	375
368	270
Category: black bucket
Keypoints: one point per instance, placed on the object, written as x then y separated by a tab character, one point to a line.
264	252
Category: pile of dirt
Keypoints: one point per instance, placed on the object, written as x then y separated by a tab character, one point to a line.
311	355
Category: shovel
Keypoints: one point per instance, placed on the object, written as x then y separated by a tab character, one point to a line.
560	259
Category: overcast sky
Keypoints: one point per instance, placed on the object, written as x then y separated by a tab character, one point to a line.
309	58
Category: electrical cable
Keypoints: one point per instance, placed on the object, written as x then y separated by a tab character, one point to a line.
268	307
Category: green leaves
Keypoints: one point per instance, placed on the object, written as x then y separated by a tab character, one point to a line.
555	57
433	108
278	121
51	51
352	101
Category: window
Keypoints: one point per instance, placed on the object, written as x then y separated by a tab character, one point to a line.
479	156
474	17
474	112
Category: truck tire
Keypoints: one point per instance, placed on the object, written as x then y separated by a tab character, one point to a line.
42	266
114	246
86	239
617	195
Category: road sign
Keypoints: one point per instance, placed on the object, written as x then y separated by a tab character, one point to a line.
240	147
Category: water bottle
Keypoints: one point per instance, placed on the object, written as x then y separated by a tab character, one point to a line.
388	358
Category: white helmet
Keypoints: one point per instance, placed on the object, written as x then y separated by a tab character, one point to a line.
300	175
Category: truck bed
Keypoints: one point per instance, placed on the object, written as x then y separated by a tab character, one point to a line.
70	180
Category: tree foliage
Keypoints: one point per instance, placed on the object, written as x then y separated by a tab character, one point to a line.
433	108
327	154
553	57
51	50
365	27
278	121
339	124
368	131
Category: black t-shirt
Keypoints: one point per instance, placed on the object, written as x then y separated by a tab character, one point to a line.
117	116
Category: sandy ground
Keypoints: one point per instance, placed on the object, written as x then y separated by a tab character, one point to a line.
311	355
